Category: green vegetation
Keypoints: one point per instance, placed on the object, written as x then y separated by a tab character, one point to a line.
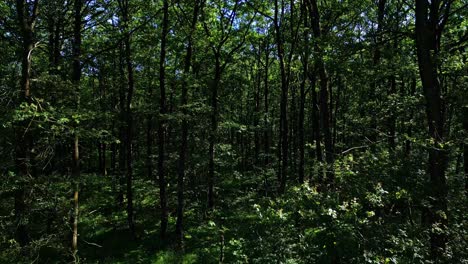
232	131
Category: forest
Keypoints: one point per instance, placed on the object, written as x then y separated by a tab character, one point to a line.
234	131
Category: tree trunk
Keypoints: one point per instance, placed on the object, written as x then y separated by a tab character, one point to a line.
316	121
376	62
124	9
410	129
324	90
214	129
76	78
26	22
392	118
102	99
428	34
266	133
149	141
256	117
122	134
465	147
184	132
162	123
305	70
283	136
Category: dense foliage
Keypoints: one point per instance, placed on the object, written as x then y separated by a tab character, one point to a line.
232	131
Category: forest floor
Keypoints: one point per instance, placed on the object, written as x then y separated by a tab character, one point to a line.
209	236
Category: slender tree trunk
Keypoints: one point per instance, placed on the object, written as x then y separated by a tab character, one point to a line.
122	134
185	129
76	79
410	129
101	145
256	117
316	121
392	118
26	22
377	54
214	129
283	137
149	135
305	70
128	131
325	111
340	86
266	133
465	147
293	133
324	90
162	123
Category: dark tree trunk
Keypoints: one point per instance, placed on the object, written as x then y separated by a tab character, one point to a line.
410	129
26	22
324	90
149	132
315	121
301	124
283	135
376	62
293	133
392	118
266	133
465	147
122	134
340	88
256	117
305	70
124	9
429	30
162	123
54	25
76	78
214	129
101	145
185	129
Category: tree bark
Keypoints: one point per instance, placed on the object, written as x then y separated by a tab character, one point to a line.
283	135
214	128
465	147
429	30
76	79
184	133
266	133
256	117
26	22
376	62
121	130
324	89
316	121
128	115
162	122
392	118
305	70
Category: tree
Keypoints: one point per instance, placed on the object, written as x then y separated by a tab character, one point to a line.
324	87
27	13
184	124
128	115
217	45
76	78
161	128
431	19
